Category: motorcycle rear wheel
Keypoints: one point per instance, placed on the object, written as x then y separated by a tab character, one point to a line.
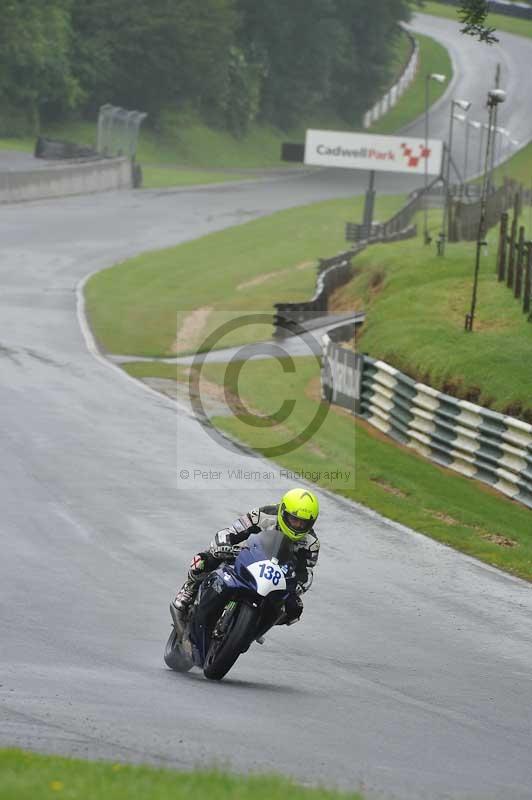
221	657
174	656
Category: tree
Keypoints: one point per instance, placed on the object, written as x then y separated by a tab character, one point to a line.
153	53
362	67
473	15
295	45
35	72
319	56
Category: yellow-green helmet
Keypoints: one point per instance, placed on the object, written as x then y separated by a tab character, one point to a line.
297	513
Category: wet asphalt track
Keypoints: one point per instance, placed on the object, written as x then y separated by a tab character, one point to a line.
411	671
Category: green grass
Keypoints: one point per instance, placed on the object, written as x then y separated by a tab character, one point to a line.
26	776
156	177
383	476
521	27
433	58
22	145
133	307
416	303
519	167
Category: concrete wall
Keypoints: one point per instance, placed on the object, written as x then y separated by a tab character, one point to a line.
65	179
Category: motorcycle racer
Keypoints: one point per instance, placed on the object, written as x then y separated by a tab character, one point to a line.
294	516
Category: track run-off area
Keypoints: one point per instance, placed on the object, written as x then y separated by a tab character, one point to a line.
409	674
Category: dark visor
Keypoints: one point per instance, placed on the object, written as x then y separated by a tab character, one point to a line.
296	523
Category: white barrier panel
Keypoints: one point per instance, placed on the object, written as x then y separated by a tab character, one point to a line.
396	90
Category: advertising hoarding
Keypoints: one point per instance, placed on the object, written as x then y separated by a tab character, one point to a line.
373	152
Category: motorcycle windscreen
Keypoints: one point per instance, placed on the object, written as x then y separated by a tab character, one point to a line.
269	544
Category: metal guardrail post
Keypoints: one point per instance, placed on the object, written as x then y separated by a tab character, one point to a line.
511	258
520	246
501	254
528	278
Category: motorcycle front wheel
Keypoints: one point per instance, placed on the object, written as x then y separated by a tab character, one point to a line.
223	654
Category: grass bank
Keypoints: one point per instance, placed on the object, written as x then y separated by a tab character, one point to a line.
374	471
165	177
27	776
416	303
133	307
520	27
518	167
433	58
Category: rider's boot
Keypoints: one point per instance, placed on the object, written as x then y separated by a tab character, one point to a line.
184	598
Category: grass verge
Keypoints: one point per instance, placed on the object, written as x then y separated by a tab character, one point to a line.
133	307
25	145
382	475
520	27
518	167
156	177
433	58
416	303
27	776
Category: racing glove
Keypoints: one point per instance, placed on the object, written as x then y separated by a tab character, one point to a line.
221	546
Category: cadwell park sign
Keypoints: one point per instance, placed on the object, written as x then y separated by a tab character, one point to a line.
369	152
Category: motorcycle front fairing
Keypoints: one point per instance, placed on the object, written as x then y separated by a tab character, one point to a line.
263	574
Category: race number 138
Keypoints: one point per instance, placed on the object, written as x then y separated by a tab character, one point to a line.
270	574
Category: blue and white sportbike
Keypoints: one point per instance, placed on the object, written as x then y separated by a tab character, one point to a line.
236	604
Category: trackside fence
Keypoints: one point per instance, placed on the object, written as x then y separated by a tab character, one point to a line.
464	216
474	441
514	258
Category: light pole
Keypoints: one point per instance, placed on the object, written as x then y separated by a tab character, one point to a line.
483	127
471	123
432	76
462	118
495	98
465	105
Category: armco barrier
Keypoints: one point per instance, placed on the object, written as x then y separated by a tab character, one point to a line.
66	179
391	97
467	438
474	441
332	273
